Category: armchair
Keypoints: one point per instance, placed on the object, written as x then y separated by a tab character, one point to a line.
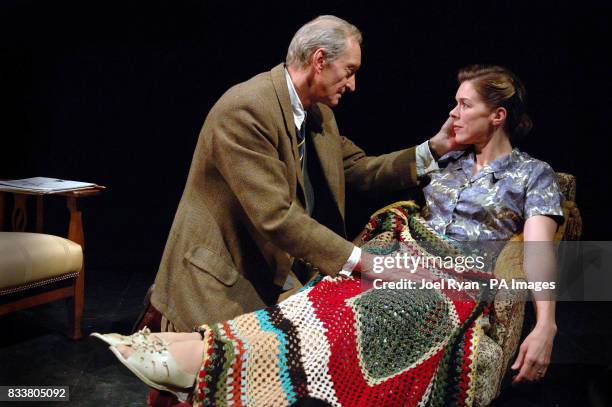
503	326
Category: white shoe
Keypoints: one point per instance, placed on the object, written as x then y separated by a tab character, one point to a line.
114	339
153	363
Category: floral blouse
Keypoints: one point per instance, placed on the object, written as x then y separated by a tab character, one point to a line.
494	203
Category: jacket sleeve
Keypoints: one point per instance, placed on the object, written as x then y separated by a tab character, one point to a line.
245	149
383	173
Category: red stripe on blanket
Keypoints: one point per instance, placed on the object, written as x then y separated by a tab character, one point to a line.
237	365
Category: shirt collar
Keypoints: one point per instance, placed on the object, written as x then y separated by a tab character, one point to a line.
465	159
499	167
299	114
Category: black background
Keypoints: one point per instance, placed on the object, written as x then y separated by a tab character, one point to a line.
115	92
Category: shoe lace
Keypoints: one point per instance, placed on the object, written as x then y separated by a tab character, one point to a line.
140	336
144	335
153	344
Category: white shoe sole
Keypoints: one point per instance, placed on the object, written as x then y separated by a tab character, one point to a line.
146	380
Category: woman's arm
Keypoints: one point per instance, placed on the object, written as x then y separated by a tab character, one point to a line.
540	265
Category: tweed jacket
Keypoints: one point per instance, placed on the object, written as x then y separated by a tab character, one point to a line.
242	220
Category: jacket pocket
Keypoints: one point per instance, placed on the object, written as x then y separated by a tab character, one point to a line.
212	264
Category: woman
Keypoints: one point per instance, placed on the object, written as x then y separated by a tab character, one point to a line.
340	343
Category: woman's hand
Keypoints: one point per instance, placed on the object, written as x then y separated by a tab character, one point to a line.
539	264
534	354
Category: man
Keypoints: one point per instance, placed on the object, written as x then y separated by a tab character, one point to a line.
266	189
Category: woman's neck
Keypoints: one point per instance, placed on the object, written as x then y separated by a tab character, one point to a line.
496	147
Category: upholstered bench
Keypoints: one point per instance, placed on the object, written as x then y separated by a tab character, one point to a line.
29	260
36	268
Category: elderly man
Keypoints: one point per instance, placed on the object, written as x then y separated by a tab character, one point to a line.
264	200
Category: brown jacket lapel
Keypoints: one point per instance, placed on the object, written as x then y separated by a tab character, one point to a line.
282	93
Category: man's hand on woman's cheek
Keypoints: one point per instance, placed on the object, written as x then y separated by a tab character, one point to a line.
444	141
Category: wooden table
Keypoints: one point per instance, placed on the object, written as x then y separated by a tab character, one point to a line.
19	216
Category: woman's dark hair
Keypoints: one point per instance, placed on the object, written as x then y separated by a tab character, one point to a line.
499	87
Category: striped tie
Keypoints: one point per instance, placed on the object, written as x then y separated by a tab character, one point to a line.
301	139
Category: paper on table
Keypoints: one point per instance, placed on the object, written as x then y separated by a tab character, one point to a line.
43	185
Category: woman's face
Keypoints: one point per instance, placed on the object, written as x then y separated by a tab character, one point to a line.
472	118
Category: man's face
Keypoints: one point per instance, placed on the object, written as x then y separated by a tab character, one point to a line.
338	76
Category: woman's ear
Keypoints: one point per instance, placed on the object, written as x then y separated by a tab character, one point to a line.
498	116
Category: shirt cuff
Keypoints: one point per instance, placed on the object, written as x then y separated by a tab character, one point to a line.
351	263
425	162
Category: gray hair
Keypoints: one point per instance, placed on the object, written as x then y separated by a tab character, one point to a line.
327	32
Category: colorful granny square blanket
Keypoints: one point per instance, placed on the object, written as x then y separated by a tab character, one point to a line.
347	343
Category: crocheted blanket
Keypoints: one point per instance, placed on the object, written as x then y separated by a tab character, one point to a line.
347	343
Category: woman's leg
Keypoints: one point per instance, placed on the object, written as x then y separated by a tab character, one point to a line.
144	336
171	337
